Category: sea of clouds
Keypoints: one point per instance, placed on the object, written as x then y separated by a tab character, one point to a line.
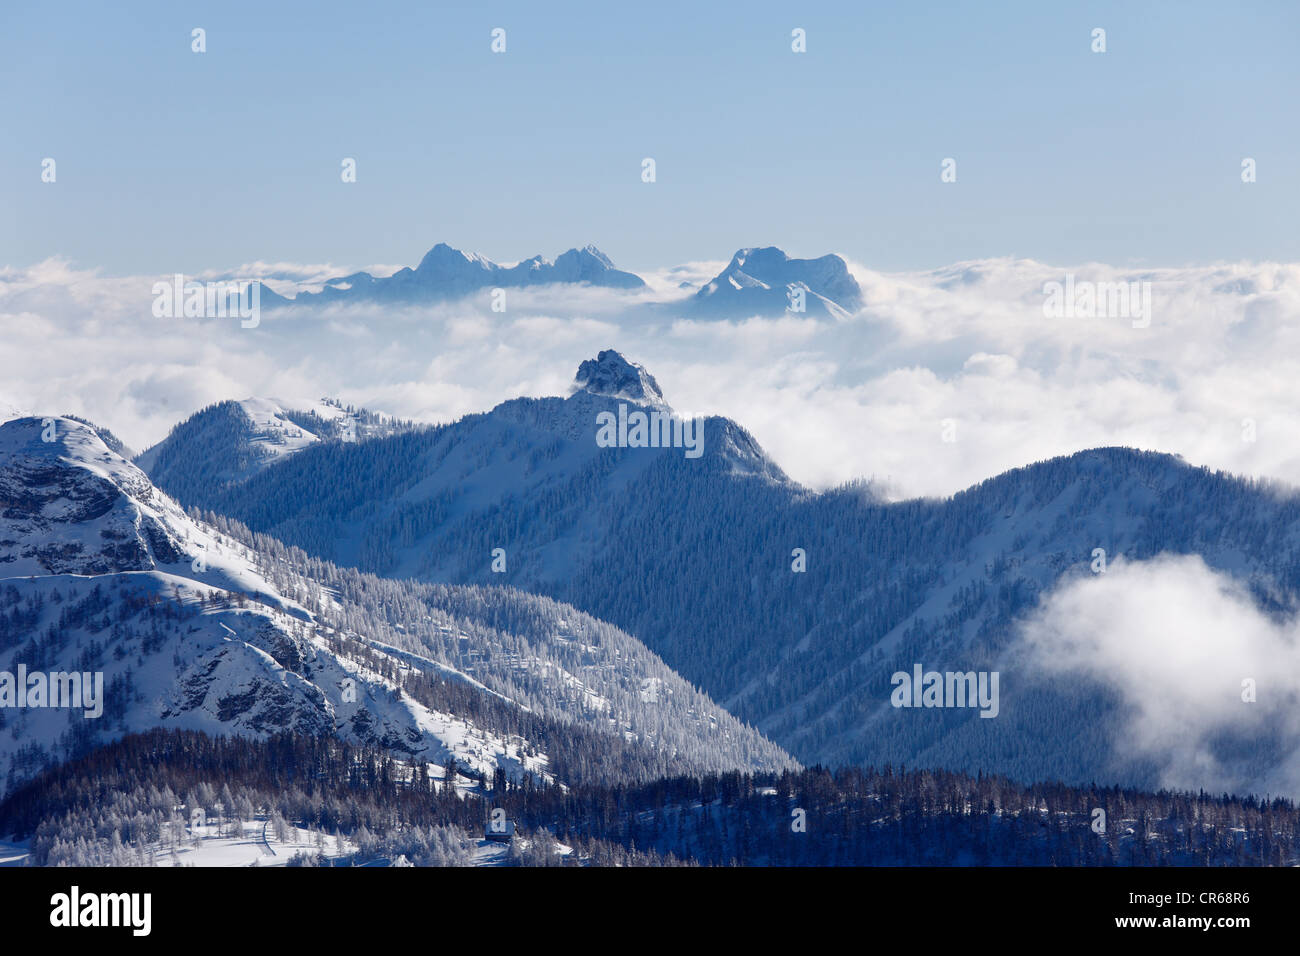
963	352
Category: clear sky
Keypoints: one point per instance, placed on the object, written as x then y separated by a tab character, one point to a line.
169	160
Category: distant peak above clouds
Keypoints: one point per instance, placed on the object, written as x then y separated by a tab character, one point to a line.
758	281
444	261
610	374
765	281
448	273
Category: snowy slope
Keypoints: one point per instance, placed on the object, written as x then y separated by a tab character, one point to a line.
277	434
101	572
241	438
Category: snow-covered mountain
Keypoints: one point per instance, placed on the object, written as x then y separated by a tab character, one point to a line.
757	281
766	281
426	504
243	437
696	557
446	273
199	627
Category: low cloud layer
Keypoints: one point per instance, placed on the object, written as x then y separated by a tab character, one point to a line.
1177	640
964	352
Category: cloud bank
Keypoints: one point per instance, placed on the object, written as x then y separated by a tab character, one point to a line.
963	352
1178	641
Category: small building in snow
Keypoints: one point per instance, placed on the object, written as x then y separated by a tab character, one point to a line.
502	832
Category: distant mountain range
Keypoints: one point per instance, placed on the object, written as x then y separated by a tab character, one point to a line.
446	273
757	281
695	557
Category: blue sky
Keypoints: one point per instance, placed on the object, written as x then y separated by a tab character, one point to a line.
175	161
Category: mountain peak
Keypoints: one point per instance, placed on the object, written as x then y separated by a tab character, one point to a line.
612	375
759	255
589	264
443	259
591	250
763	281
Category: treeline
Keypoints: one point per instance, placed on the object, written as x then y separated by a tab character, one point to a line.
117	800
122	803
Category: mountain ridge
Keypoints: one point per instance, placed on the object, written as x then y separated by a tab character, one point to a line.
757	281
627	533
95	560
445	273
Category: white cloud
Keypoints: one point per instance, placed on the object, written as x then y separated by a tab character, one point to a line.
830	400
1176	640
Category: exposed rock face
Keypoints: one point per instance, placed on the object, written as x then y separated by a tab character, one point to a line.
612	375
57	519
